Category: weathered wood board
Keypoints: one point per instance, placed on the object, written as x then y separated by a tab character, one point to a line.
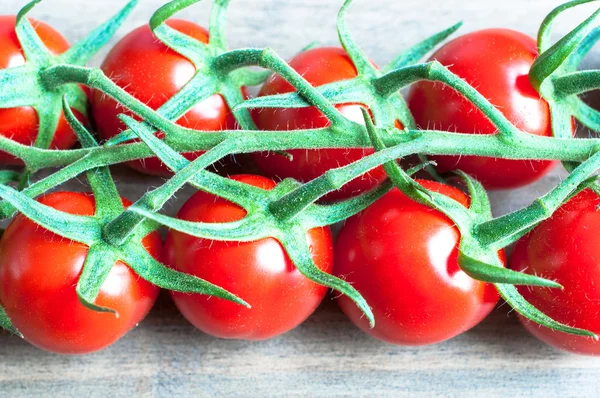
327	355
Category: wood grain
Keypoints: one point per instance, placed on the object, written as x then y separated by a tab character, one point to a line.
327	355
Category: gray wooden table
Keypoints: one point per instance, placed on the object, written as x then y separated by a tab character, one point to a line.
327	355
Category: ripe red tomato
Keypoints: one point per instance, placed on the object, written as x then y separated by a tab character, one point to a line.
402	257
21	124
565	248
496	62
151	72
259	272
38	274
318	66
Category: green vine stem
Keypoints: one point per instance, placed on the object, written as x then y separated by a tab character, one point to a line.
288	211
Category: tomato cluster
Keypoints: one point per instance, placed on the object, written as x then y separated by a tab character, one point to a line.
400	255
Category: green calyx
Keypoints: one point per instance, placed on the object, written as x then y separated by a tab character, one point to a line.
22	86
291	209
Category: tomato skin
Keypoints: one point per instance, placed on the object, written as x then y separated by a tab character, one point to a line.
38	274
21	124
565	248
496	62
402	257
151	72
318	66
259	272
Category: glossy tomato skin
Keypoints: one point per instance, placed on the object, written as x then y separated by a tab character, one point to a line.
496	62
38	274
259	272
21	124
566	249
318	66
402	257
150	71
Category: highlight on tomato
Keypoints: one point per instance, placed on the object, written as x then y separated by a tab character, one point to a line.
22	124
402	257
153	73
496	62
565	248
318	66
260	272
39	271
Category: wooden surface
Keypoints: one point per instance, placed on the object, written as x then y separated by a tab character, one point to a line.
327	355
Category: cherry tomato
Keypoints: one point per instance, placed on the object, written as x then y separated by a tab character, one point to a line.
38	274
565	248
496	62
21	124
147	69
318	66
259	272
402	257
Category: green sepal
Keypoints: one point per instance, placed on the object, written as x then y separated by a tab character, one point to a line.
574	60
6	324
84	50
483	265
545	31
249	229
194	50
33	48
415	53
552	59
77	228
479	200
294	242
362	64
323	215
143	264
96	268
511	295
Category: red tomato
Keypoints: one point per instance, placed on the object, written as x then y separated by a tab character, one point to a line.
566	249
496	62
259	272
38	274
402	257
21	124
151	72
318	66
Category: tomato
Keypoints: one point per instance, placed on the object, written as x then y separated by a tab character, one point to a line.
318	66
496	62
402	257
147	69
260	272
21	124
38	274
565	248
